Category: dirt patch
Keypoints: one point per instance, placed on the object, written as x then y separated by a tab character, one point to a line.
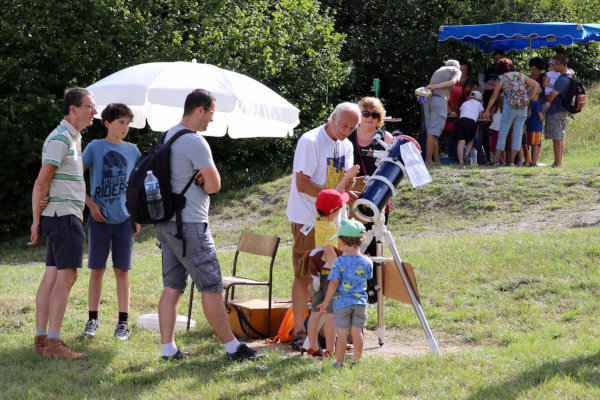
393	346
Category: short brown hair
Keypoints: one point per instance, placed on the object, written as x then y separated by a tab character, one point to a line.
74	97
560	58
374	104
114	111
198	98
352	241
505	65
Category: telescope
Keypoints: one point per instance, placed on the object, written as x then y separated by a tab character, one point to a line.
398	160
381	186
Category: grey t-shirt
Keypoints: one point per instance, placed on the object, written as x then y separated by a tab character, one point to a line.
442	75
189	153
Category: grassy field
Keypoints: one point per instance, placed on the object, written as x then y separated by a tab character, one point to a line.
506	260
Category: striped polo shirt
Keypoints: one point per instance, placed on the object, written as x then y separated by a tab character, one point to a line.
67	187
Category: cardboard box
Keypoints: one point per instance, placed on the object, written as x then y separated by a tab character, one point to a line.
249	318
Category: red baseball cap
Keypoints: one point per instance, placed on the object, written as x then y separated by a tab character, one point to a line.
330	200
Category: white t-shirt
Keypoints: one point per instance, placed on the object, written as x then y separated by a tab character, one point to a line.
471	109
323	159
495	125
552	77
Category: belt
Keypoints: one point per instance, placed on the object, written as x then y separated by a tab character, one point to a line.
437	95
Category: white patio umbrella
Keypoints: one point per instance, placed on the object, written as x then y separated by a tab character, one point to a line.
156	93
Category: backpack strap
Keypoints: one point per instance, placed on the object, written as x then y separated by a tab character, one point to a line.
178	221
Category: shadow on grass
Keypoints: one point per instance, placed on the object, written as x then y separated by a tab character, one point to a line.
103	373
582	369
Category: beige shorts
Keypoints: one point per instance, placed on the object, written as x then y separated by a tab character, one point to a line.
302	244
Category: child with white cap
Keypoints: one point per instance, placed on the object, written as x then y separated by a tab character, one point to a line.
466	126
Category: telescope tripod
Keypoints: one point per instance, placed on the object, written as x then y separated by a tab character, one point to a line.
380	234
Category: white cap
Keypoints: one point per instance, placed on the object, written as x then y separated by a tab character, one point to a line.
475	94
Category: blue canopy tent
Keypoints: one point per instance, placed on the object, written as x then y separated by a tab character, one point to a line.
518	35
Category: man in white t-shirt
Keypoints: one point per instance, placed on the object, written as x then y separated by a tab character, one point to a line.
321	158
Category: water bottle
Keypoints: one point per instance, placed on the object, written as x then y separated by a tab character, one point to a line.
473	157
155	205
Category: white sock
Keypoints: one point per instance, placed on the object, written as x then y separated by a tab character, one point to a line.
231	347
169	349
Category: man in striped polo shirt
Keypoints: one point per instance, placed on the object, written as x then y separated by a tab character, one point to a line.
60	178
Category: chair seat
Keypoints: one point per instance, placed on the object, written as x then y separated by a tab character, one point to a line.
231	280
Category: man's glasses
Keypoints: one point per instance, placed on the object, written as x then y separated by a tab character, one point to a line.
91	107
368	114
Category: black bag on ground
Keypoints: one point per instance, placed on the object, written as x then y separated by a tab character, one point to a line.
157	159
575	98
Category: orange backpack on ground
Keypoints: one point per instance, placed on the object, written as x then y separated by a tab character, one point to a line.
285	333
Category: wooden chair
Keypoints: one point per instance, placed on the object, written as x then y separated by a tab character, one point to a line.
251	243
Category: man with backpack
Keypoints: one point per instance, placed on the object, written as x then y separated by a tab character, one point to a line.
556	114
191	156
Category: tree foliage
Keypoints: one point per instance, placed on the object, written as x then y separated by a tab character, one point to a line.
49	46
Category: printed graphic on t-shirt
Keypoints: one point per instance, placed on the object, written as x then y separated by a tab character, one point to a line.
114	178
335	171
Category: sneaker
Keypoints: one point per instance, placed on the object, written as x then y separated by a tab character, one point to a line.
90	328
315	353
58	348
122	331
177	356
244	353
39	344
340	365
353	363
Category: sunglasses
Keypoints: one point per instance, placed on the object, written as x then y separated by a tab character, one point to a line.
368	114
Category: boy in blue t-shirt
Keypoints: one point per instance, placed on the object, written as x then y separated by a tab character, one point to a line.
110	162
348	290
533	125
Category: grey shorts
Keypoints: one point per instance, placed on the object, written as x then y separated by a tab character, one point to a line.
317	297
436	111
200	261
556	125
355	315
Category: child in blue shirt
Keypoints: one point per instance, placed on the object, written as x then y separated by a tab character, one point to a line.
533	125
348	290
110	227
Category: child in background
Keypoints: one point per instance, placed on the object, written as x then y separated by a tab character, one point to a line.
496	112
348	290
110	227
534	124
466	126
549	80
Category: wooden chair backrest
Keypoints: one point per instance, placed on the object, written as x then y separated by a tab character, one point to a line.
257	244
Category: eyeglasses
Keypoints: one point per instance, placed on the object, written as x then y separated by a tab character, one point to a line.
368	114
91	107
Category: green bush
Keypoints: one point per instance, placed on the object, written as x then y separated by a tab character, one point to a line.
47	47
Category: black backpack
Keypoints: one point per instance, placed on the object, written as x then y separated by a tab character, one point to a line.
158	159
575	98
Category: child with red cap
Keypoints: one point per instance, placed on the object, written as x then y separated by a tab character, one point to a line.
329	204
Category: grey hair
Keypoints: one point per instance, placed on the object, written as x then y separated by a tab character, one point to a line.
346	106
